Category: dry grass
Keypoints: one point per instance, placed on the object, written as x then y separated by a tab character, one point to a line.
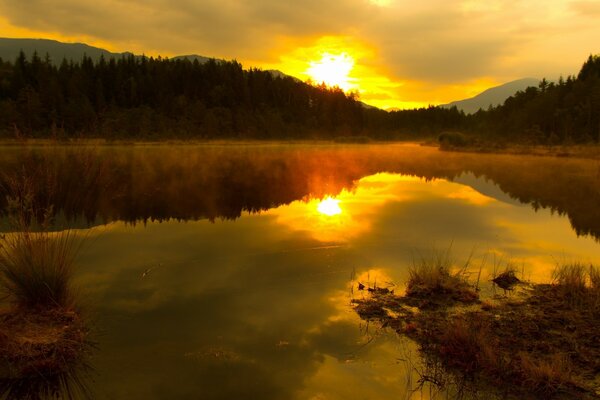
431	277
571	277
43	355
36	265
543	346
548	376
36	268
578	284
468	345
43	339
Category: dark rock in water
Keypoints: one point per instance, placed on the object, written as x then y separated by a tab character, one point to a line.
506	280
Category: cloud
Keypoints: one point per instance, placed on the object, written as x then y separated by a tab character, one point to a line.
221	28
586	8
431	42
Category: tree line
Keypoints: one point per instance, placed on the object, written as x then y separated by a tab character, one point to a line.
155	98
567	111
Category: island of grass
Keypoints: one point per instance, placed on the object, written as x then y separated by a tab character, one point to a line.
43	338
545	342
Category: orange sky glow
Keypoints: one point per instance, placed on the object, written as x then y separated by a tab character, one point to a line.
393	53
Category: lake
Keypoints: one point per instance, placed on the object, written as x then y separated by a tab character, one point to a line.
218	271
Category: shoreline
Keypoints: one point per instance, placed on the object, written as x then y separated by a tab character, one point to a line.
539	342
556	151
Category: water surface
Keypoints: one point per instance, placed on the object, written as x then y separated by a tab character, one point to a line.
223	271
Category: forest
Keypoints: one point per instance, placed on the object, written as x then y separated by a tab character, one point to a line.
154	98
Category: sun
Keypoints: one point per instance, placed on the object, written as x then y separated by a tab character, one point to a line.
333	70
329	206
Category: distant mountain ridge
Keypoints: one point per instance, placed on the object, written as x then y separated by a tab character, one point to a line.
493	96
57	51
10	49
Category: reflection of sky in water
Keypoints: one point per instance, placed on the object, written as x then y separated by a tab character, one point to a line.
259	307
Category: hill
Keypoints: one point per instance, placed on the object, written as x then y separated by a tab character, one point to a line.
493	96
10	49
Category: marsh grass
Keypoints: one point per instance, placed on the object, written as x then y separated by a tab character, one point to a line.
468	345
546	376
544	345
36	268
36	265
43	337
432	276
571	277
578	283
44	355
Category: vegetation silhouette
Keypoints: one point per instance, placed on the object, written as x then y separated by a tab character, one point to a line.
44	340
135	184
511	347
155	98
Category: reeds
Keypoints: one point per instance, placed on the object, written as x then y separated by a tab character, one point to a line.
548	376
578	283
433	276
571	277
36	268
43	339
468	345
36	265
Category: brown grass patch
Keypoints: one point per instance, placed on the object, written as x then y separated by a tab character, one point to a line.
431	280
545	345
42	354
546	376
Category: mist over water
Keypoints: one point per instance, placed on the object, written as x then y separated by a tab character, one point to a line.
226	270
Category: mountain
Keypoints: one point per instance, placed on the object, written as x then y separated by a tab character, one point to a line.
493	96
10	49
194	57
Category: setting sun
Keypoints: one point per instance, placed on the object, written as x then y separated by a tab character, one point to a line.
329	207
333	70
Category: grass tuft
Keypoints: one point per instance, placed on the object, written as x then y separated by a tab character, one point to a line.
36	268
432	277
578	284
468	345
43	339
571	277
546	376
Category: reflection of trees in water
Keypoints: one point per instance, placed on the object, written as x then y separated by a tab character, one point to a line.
156	183
44	341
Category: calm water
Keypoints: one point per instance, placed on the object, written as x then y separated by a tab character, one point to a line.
219	272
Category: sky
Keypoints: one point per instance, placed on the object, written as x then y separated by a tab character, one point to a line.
394	53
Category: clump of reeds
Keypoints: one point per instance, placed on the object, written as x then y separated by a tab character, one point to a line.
469	346
36	265
36	268
547	376
571	277
433	276
43	339
578	283
44	354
